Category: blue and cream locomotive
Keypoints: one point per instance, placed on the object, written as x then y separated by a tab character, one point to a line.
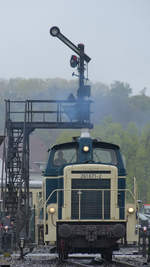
84	198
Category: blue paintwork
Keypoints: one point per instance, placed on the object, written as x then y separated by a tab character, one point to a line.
53	184
121	185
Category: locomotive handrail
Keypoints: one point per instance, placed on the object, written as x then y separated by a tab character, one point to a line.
80	192
62	189
45	114
79	189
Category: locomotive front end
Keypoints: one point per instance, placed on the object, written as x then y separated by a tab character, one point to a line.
89	220
85	208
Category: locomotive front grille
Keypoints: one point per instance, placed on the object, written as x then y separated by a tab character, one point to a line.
91	201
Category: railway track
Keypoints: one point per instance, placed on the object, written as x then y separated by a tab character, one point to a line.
93	262
105	264
49	259
125	259
123	264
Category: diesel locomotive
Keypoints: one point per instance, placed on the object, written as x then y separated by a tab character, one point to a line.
84	193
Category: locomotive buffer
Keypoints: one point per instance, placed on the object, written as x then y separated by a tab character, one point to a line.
21	119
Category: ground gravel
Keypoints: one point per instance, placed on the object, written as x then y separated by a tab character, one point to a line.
41	256
29	262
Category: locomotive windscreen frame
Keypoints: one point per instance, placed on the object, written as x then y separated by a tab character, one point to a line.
91	201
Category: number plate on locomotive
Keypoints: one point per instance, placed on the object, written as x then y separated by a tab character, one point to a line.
91	176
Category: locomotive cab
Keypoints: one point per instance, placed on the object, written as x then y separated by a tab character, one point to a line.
84	191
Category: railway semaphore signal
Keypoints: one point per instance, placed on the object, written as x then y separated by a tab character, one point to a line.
82	106
75	61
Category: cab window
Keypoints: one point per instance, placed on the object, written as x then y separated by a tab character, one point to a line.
65	156
103	155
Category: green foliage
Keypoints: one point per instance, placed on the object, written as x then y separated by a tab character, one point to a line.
141	102
115	100
120	89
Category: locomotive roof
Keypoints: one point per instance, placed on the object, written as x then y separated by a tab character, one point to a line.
95	141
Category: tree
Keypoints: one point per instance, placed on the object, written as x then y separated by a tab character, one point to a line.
120	89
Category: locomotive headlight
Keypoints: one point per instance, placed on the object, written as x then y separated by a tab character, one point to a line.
131	210
52	210
86	148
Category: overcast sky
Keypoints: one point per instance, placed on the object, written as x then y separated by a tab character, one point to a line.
116	34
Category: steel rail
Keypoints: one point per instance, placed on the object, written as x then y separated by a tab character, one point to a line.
123	264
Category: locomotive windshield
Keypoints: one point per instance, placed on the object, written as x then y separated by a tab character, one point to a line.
74	154
65	156
107	156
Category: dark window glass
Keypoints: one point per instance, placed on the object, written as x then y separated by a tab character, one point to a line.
65	156
103	155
